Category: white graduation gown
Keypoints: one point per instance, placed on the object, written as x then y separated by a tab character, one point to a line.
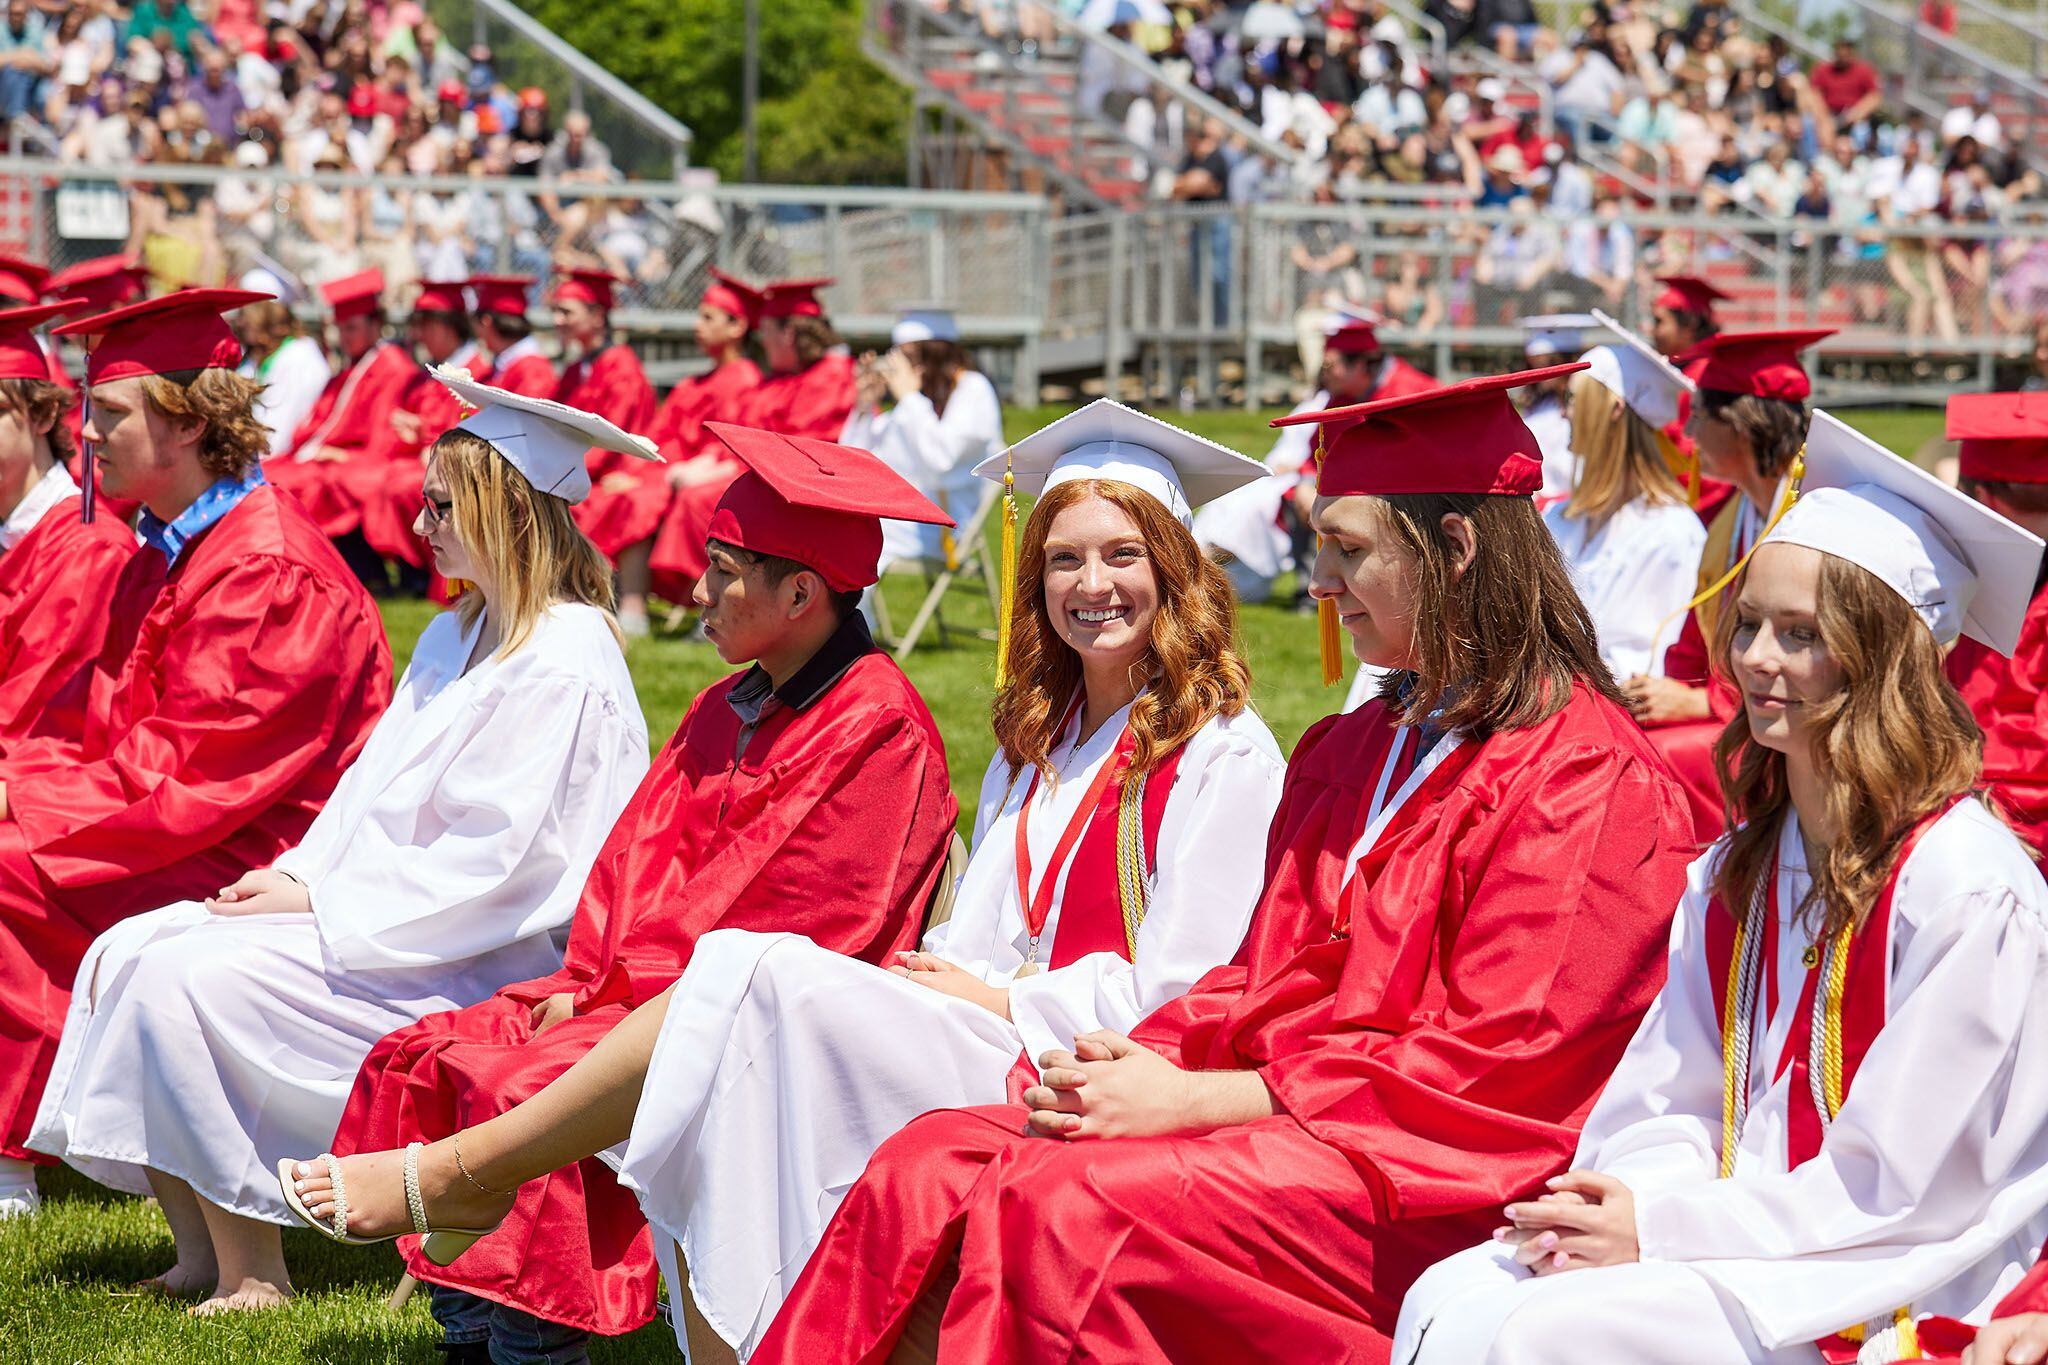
1244	523
447	863
1929	1189
292	384
1552	427
935	453
782	1066
1635	574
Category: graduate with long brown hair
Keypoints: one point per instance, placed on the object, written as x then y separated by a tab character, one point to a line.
1833	1122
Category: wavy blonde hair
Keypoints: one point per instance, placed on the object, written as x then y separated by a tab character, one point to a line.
1195	669
1621	458
1894	745
526	540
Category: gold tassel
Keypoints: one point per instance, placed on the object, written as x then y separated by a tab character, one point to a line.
1329	637
1329	631
1692	478
950	548
1007	608
457	587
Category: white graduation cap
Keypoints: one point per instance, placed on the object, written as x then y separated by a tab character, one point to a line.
1556	333
1635	372
1346	315
1963	568
1107	440
924	324
542	439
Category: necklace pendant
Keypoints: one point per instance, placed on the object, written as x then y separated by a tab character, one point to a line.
1811	957
1030	967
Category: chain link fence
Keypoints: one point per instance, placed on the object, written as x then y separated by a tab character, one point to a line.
980	255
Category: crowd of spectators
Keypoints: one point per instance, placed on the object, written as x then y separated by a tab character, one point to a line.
1669	103
365	86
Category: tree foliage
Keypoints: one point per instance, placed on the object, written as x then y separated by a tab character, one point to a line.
826	114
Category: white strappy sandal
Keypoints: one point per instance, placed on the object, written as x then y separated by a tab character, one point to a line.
439	1245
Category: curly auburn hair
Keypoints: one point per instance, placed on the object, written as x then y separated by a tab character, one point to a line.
1195	669
1892	746
41	401
234	440
1774	427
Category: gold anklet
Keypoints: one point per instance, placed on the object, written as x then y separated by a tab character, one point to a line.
463	1167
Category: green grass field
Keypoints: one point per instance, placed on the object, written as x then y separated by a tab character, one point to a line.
62	1272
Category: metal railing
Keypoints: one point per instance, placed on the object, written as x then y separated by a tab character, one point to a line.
1180	292
645	141
978	254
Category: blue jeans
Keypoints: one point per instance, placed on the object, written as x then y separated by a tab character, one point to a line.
17	91
515	1338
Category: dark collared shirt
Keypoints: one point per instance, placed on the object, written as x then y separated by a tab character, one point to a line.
755	697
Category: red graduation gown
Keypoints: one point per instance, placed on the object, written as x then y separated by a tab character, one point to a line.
531	375
810	402
227	699
834	824
1506	935
352	414
54	588
720	396
612	385
2009	698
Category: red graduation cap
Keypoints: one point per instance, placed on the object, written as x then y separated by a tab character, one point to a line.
1352	333
355	296
440	296
101	283
21	353
735	296
796	298
163	335
1763	364
505	294
1463	438
2004	436
583	285
815	502
1689	294
21	278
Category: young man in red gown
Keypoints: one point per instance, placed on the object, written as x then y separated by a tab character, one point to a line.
2004	465
808	793
242	668
336	465
1468	887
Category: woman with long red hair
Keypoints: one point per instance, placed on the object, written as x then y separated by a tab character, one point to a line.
1119	843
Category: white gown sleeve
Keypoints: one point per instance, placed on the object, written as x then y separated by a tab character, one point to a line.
972	422
1666	557
1207	875
290	391
491	859
1940	1154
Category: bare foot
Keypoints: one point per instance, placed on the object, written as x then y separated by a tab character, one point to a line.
180	1281
375	1185
247	1297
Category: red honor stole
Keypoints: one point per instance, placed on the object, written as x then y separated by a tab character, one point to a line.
1091	909
1865	985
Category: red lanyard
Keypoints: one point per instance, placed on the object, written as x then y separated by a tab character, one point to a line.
1038	908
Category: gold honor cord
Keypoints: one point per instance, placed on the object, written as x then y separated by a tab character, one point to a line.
1824	1068
1714	589
1006	592
1132	875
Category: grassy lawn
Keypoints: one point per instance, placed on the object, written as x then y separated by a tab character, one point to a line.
61	1271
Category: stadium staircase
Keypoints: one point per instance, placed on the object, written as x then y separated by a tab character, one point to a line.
975	92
